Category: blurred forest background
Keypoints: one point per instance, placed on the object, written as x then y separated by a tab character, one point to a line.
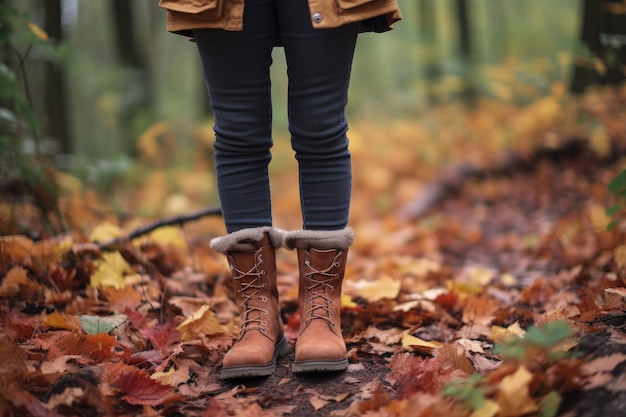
111	90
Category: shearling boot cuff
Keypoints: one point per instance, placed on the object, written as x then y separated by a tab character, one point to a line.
319	239
246	239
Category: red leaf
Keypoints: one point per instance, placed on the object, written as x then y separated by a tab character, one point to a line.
161	336
447	300
140	389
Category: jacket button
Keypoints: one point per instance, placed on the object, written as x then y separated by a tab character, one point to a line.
317	17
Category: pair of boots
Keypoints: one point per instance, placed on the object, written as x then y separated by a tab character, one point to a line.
322	261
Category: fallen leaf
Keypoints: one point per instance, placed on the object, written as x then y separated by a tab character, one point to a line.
202	322
412	344
105	232
138	388
16	283
56	320
489	409
98	347
95	324
503	335
163	378
111	270
379	289
513	396
12	358
15	249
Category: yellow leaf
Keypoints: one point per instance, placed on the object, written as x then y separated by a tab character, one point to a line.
347	302
489	409
513	397
41	34
620	256
600	142
149	142
412	343
169	235
111	271
163	378
203	322
501	335
105	232
372	291
56	320
508	279
479	275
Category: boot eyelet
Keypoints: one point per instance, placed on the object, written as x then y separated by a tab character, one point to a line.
264	323
263	298
264	311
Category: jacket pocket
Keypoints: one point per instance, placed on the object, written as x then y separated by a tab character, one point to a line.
192	6
351	4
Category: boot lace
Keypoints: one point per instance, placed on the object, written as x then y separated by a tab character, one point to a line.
320	281
251	291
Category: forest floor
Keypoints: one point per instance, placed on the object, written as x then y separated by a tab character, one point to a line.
491	291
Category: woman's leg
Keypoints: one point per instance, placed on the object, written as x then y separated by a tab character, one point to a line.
237	71
319	64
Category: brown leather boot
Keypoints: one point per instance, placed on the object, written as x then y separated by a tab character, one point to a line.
322	262
252	260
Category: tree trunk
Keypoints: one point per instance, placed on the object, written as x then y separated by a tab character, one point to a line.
603	32
465	48
136	96
56	119
427	31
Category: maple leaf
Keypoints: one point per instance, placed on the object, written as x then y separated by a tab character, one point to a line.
502	335
202	322
98	347
161	336
104	232
111	271
139	389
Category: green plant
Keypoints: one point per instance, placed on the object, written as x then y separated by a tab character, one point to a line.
536	340
618	188
24	173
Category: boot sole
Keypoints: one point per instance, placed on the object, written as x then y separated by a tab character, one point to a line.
244	371
321	365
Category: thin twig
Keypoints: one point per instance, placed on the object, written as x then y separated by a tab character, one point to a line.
168	221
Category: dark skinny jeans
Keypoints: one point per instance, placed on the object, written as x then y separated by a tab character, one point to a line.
237	71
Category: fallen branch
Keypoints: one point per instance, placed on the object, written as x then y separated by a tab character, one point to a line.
168	221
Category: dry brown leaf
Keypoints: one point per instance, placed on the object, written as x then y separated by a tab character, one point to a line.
12	358
16	283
